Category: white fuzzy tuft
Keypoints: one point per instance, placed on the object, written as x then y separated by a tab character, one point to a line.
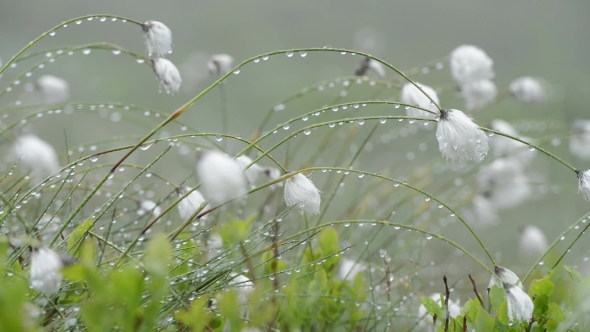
503	275
220	64
147	206
584	184
532	242
299	190
459	138
529	89
520	305
222	177
52	89
167	74
580	140
507	147
504	183
411	95
469	64
191	203
478	94
46	267
349	268
36	155
158	38
254	172
377	67
243	285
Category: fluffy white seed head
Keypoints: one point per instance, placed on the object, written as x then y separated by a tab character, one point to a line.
503	275
49	89
470	63
459	138
146	206
36	155
220	64
529	89
454	306
411	95
533	242
191	203
478	94
368	64
300	191
508	148
520	305
505	183
214	246
167	74
243	285
584	183
580	141
222	177
349	268
254	172
46	267
273	173
158	38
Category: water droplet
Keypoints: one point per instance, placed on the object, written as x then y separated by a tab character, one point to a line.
94	159
116	52
145	147
237	71
332	125
52	33
102	19
256	60
303	54
361	176
396	106
140	61
279	107
411	121
305	118
531	148
265	57
289	54
307	131
78	22
356	105
218	138
427	199
382	120
360	122
286	127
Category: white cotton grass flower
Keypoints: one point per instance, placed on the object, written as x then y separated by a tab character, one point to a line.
214	246
469	64
158	38
49	89
482	211
300	191
579	144
503	275
533	242
478	94
584	183
220	64
454	306
36	155
529	89
520	305
243	285
505	183
460	139
45	275
410	94
367	64
191	203
273	173
254	172
349	268
146	206
507	147
222	177
167	74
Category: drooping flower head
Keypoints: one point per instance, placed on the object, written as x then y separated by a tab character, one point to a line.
532	242
469	64
529	89
220	64
478	94
158	38
410	94
580	140
520	305
191	203
459	138
243	285
36	155
584	183
366	64
46	266
503	275
222	177
253	172
300	191
167	74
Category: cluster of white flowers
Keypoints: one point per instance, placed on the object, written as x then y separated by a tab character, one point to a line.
472	71
222	177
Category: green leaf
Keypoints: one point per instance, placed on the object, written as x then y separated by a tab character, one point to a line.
542	286
229	305
573	274
541	306
555	316
196	317
158	256
496	297
329	240
79	234
503	313
432	307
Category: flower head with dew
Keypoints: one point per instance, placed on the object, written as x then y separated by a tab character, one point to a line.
529	89
410	94
191	203
505	182
470	63
146	206
520	305
167	74
579	144
459	138
46	266
222	177
300	191
243	285
50	89
584	183
532	241
366	64
36	155
454	306
214	246
507	147
273	173
349	268
254	172
482	211
503	275
158	38
220	64
478	94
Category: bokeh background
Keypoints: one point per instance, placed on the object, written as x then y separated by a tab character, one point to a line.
543	38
